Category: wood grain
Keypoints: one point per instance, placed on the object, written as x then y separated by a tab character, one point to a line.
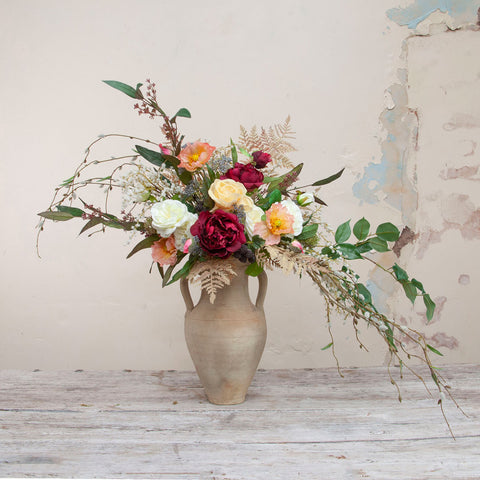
295	424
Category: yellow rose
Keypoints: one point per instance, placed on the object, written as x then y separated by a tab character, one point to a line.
226	193
245	202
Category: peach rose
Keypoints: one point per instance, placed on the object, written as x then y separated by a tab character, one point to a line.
164	251
226	193
195	155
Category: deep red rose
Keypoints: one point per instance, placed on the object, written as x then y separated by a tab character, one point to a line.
220	233
261	159
246	174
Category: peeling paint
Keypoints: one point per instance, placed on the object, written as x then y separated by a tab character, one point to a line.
388	180
442	340
464	279
462	120
426	239
458	213
466	172
407	236
462	11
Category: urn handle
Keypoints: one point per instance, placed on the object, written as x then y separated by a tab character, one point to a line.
187	297
262	290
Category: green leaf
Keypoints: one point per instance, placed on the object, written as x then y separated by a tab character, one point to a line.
363	247
56	216
430	305
273	197
156	158
68	181
145	243
389	336
410	291
434	350
234	152
185	176
257	242
418	285
123	87
388	231
254	269
167	275
184	271
319	201
308	231
400	273
245	152
326	347
286	179
327	180
183	112
378	244
343	232
160	270
75	212
349	251
361	229
363	290
91	223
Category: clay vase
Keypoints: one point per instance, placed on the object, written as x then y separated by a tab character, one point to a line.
226	338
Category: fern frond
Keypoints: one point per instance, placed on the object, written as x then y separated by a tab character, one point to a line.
212	276
289	260
274	140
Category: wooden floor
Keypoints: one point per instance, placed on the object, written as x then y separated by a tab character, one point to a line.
295	424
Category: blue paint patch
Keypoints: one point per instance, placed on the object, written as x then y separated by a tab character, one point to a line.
412	15
374	174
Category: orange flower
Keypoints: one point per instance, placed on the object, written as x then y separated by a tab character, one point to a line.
164	251
278	221
195	155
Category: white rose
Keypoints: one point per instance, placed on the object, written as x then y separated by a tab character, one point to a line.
295	211
182	233
304	199
168	215
253	216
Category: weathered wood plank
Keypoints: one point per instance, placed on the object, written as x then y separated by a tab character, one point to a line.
304	424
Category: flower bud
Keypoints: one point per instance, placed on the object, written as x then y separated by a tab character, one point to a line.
304	199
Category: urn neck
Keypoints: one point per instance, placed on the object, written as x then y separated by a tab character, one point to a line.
237	290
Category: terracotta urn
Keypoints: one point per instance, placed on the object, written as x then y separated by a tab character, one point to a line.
226	338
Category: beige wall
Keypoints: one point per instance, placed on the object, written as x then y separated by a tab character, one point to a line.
399	110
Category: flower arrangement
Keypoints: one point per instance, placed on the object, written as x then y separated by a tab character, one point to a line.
197	207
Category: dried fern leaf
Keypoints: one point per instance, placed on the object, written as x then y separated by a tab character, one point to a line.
274	140
289	260
212	276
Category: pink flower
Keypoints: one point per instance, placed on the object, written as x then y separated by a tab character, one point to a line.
279	221
165	150
298	245
164	251
195	155
187	244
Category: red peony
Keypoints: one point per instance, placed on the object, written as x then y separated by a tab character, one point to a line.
220	233
246	174
261	159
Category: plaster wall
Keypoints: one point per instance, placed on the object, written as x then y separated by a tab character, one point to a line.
394	101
